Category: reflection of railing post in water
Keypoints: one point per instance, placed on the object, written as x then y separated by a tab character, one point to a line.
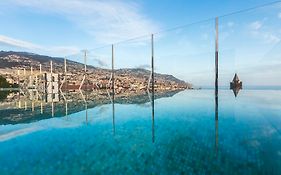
65	101
25	105
41	107
216	82
86	105
113	90
66	109
152	77
19	104
216	120
113	114
32	106
41	102
53	109
86	108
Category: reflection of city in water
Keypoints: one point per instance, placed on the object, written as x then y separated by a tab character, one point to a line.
33	106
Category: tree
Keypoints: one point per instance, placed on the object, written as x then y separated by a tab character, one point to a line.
4	83
3	95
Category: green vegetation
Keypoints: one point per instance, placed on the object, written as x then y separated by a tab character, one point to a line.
5	84
3	95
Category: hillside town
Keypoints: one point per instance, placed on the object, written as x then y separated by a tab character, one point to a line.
52	76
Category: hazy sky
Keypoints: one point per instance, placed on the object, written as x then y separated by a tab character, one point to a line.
249	42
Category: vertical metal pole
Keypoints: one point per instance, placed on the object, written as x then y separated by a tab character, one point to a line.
217	64
65	72
152	62
217	54
64	65
152	73
85	61
51	66
85	69
36	81
40	75
112	68
24	74
216	83
52	88
19	87
113	87
31	76
18	78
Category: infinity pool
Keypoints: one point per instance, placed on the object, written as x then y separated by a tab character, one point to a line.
184	136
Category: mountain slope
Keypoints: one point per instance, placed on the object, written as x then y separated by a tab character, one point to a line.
20	60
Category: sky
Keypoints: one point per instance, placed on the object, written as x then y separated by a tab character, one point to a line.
249	42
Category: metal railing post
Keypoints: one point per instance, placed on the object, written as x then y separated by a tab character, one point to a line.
217	54
216	83
113	88
152	77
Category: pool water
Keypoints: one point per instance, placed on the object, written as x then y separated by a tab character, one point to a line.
184	136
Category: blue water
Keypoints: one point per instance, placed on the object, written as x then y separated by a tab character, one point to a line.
183	137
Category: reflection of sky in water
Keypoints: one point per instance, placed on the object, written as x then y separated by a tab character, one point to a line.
185	129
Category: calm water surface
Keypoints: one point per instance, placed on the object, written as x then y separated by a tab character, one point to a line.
185	136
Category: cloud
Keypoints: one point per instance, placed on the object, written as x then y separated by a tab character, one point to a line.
266	37
107	21
17	43
259	31
256	25
20	44
279	15
271	38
